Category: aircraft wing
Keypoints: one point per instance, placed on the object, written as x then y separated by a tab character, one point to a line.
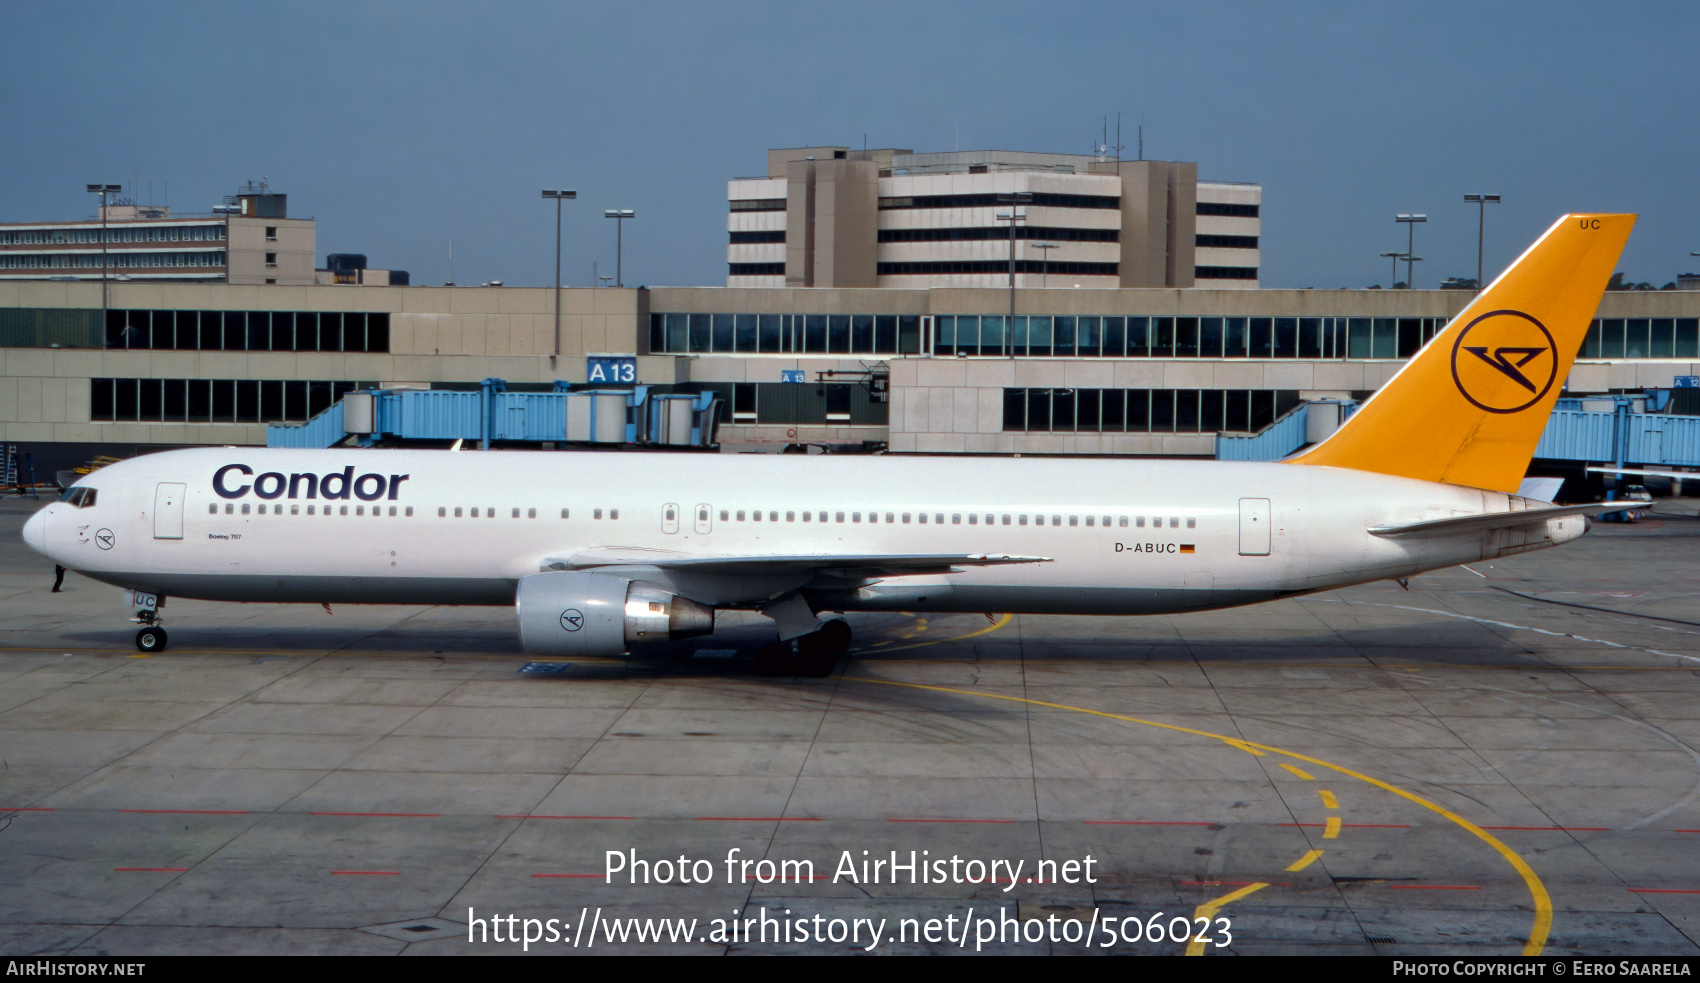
1494	520
891	563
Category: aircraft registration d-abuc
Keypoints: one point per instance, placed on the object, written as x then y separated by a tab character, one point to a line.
598	551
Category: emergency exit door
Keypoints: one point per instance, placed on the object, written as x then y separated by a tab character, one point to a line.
168	510
1254	527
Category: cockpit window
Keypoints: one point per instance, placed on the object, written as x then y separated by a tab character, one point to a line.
70	494
78	496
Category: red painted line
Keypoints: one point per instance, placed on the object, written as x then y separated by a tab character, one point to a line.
190	812
1371	825
1140	822
951	820
757	819
402	815
174	870
1558	829
567	875
564	817
1434	887
373	873
1658	890
1674	830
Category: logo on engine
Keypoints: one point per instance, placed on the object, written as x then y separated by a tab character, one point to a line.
572	619
1504	361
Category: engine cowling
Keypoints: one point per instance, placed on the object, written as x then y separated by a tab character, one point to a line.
585	613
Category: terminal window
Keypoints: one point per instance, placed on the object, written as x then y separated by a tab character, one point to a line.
1036	410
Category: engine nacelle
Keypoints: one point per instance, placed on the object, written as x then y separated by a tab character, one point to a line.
578	612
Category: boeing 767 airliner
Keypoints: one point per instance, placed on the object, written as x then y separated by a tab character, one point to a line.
600	551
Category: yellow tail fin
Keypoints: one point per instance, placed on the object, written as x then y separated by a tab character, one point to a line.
1470	407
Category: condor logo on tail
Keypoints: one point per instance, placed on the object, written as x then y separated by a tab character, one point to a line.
1504	361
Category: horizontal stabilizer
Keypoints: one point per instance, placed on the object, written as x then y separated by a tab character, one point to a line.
908	563
1678	475
1490	520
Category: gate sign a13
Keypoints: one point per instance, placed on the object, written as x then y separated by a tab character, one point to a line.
610	368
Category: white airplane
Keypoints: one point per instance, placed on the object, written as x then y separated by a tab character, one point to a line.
598	551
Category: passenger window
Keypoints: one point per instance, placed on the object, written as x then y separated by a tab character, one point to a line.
457	511
489	513
564	513
1006	520
723	514
212	509
855	517
974	519
923	518
529	513
956	520
1191	522
888	517
342	510
906	518
440	511
756	515
613	514
841	517
229	508
410	511
1120	522
392	510
1021	520
358	509
1038	520
807	515
1107	522
873	517
938	518
596	513
1074	520
295	510
1089	519
790	517
823	517
1174	522
1140	522
740	515
262	508
244	508
773	517
516	512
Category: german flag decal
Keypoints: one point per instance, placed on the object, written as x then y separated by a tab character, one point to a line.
1188	548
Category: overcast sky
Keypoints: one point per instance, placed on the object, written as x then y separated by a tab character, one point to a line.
401	125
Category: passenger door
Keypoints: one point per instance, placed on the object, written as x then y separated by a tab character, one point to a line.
1254	527
168	510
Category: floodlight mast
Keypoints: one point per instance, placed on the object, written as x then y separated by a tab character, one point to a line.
103	190
1410	222
1481	202
559	197
619	215
1013	216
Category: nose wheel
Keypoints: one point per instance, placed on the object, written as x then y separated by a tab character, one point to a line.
151	639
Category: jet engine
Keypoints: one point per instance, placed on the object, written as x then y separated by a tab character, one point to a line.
584	613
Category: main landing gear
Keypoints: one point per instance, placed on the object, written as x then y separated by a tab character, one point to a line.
813	655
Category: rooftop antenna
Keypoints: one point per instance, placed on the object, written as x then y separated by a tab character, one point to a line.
1119	147
451	278
1141	136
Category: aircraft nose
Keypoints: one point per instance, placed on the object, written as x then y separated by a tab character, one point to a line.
35	532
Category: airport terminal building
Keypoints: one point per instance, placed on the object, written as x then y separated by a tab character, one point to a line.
1122	371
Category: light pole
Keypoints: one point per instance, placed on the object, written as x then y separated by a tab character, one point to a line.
619	215
1481	202
1012	217
559	197
103	190
1410	223
1044	259
1393	270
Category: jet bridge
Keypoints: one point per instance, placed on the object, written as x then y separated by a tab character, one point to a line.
493	415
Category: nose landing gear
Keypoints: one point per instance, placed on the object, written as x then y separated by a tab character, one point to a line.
152	637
